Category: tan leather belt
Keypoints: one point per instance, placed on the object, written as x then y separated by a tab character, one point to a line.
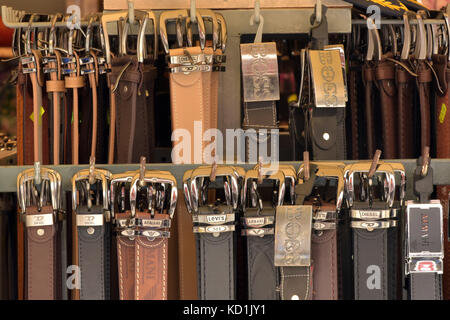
143	234
74	81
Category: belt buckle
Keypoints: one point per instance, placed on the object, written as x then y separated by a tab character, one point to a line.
81	184
424	237
159	185
261	225
368	217
34	187
212	218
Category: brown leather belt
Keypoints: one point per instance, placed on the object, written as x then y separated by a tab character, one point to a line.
74	81
424	78
385	75
369	82
143	239
405	118
354	102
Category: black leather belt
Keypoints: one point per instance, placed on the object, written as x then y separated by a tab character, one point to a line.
424	240
214	226
375	236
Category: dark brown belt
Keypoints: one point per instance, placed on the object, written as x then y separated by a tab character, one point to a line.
354	103
385	75
423	84
369	82
8	247
405	117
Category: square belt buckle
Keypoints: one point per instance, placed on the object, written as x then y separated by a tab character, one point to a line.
260	72
293	225
424	237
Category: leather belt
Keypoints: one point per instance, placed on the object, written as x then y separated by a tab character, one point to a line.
55	87
259	228
424	259
354	103
385	75
405	119
93	232
324	246
423	84
214	228
41	271
142	236
369	83
375	235
74	81
8	248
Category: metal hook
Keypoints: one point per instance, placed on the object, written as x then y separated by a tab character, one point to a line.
425	161
307	174
374	165
91	169
212	176
318	13
193	12
257	15
142	172
37	173
131	11
259	165
28	40
259	32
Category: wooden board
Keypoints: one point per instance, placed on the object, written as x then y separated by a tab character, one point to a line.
219	4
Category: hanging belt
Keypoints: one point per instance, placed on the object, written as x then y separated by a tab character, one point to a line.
423	84
41	261
374	241
405	118
424	245
369	83
55	88
385	75
143	241
74	81
8	248
354	102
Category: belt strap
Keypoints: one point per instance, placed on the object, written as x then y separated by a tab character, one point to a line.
443	151
405	113
93	252
263	278
143	263
423	83
375	260
426	286
190	98
55	87
8	247
75	81
325	264
385	75
40	257
216	261
354	102
369	78
187	255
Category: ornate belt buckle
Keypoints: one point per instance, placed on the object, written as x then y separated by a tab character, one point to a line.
260	72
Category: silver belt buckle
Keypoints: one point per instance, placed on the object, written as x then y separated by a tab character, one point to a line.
293	229
424	237
260	72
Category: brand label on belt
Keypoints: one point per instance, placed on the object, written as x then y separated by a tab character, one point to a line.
328	79
293	236
442	113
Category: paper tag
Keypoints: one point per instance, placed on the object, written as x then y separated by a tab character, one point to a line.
260	72
442	113
41	113
293	236
327	78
